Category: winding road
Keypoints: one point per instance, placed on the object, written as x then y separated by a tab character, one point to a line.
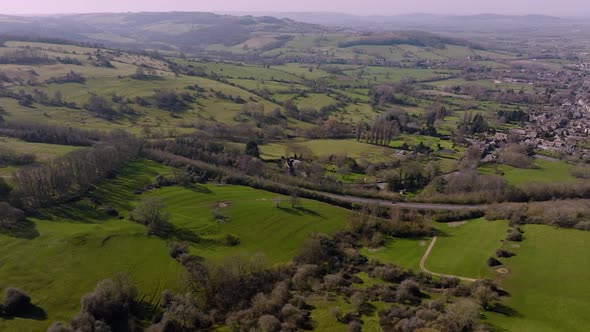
423	265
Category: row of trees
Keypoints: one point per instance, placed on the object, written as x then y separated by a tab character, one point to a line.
53	134
71	175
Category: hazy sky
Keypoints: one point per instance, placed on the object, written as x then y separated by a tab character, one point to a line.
381	7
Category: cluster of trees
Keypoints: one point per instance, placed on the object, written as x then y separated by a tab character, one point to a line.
71	77
466	186
383	131
386	94
150	212
474	124
371	224
330	128
565	214
71	175
10	217
39	96
517	116
517	155
68	60
101	107
411	175
385	127
435	113
145	73
112	306
234	99
169	100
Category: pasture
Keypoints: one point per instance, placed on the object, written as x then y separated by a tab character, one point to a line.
406	252
547	282
545	171
462	248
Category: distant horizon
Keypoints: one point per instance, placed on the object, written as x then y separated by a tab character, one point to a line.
563	8
271	13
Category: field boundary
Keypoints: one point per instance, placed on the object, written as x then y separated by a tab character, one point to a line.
424	269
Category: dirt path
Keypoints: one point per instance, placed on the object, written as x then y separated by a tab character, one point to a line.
425	257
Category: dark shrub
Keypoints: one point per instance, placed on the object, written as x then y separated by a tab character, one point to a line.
269	323
231	240
177	249
502	253
493	262
515	236
111	300
409	291
354	326
10	216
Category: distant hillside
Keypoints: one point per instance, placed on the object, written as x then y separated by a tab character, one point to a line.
173	30
414	38
429	22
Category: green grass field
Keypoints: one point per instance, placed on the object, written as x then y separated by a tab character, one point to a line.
400	251
78	244
545	171
462	248
548	282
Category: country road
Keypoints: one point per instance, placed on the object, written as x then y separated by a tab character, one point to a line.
409	205
423	265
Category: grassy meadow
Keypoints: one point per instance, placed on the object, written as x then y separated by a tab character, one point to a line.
547	282
463	247
543	171
400	251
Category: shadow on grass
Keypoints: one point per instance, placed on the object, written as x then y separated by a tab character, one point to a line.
199	189
299	211
368	309
505	310
440	233
169	231
81	212
25	229
33	312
